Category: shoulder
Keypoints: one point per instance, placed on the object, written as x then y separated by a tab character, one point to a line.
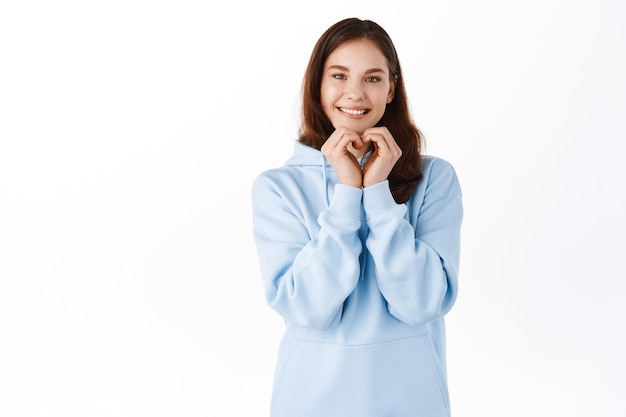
436	165
286	183
273	178
269	174
439	177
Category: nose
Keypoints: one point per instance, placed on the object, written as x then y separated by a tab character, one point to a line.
354	89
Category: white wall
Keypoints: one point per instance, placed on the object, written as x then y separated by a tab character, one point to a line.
130	133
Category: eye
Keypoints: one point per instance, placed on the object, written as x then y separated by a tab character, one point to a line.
372	79
339	76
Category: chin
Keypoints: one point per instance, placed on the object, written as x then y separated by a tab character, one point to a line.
358	127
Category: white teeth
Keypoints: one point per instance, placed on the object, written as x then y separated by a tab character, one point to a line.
353	112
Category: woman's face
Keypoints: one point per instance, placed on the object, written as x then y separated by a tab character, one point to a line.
355	86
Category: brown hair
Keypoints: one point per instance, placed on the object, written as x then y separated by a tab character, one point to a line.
316	127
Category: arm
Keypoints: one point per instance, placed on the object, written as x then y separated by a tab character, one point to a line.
417	261
306	277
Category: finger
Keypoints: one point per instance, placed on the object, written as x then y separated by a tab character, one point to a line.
343	137
354	139
385	142
380	142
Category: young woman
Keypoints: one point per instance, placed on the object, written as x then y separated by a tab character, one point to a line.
358	240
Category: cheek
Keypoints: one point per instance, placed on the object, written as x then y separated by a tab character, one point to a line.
328	101
327	94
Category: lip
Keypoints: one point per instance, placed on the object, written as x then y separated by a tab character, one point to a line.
357	112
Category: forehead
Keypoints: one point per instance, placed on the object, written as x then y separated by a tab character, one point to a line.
358	53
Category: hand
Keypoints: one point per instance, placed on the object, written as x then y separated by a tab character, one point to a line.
385	155
342	160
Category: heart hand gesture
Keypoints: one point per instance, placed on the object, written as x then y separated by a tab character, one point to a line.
337	150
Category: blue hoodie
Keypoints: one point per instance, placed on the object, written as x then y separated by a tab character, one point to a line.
363	285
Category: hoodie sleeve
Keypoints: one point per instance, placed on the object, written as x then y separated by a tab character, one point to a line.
306	278
417	260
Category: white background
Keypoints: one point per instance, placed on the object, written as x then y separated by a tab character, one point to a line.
131	132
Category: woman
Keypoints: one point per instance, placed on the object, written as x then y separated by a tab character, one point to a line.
358	239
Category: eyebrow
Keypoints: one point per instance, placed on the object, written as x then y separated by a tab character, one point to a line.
369	71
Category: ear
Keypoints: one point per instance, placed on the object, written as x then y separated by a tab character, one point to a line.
392	89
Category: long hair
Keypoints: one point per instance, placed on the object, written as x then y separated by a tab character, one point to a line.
315	126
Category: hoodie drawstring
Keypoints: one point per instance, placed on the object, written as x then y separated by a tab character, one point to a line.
325	180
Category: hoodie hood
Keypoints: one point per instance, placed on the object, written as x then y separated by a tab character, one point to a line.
304	155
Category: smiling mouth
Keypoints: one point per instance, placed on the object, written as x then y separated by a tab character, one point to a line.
353	112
